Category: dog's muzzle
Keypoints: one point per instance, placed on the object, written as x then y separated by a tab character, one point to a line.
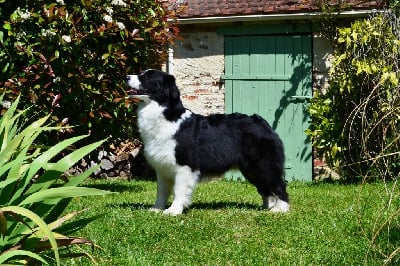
136	90
133	81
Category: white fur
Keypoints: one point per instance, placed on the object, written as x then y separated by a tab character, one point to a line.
185	183
133	82
274	204
158	134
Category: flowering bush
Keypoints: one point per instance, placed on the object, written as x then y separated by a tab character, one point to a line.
355	125
69	58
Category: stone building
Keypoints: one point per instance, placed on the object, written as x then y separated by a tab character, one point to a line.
259	56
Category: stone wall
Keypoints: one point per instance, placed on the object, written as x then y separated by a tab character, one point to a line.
198	63
322	62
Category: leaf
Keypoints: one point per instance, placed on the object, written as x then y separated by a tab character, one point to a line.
63	192
3	224
4	257
78	179
43	159
60	221
62	241
72	158
7	26
41	226
78	224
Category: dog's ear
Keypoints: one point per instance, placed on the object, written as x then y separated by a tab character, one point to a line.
171	89
174	102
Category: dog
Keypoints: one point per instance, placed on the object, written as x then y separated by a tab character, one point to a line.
184	147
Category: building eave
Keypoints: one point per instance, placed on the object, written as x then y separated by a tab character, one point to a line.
273	17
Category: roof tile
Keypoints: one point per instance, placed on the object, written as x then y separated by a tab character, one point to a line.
207	8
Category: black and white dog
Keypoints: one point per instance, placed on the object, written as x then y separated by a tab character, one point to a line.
184	147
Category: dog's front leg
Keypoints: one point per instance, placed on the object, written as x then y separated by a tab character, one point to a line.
185	183
164	188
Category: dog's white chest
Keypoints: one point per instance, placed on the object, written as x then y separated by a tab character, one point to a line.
158	134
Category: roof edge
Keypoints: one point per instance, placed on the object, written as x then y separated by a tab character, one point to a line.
273	17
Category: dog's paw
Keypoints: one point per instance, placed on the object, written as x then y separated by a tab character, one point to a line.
274	204
173	211
280	206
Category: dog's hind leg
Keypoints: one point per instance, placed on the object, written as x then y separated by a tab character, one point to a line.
185	183
164	188
277	200
270	185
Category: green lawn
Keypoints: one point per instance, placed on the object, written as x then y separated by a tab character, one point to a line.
329	224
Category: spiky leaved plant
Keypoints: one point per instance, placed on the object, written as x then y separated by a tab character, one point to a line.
34	192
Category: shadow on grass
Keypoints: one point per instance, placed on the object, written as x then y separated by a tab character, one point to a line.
132	206
117	187
199	206
224	205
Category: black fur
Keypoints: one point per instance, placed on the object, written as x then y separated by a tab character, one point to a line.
216	143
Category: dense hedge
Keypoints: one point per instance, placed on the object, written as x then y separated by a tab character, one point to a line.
356	123
69	58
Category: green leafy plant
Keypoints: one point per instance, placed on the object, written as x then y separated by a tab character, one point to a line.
34	192
70	58
355	124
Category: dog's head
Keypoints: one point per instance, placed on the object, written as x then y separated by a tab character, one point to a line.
153	85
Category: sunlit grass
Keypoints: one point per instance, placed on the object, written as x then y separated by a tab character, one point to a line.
329	224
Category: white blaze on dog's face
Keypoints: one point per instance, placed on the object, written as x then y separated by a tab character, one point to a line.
133	81
136	91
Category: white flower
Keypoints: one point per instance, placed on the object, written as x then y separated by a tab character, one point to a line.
6	104
46	12
20	35
121	25
109	10
107	18
66	38
61	2
47	33
23	14
134	32
118	3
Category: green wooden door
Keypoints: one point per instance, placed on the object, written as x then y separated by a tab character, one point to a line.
271	75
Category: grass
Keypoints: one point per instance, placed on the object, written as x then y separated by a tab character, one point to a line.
329	224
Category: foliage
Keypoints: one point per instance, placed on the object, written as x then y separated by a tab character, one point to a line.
34	193
330	16
69	58
394	5
355	124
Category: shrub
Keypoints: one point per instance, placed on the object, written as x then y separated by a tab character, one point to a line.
34	193
69	58
355	125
